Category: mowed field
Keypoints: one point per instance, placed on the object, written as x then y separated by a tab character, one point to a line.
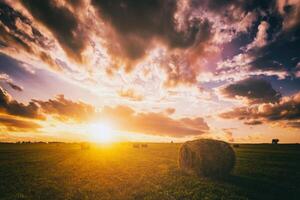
64	171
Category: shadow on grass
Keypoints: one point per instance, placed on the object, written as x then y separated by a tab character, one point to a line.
262	189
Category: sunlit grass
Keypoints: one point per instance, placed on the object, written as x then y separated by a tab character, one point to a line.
119	171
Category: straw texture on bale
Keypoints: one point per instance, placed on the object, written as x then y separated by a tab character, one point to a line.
206	157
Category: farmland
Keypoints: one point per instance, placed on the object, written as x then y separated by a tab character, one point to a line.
64	171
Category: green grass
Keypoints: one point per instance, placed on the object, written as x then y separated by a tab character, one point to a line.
50	171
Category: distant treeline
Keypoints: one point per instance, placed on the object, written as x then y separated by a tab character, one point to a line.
32	142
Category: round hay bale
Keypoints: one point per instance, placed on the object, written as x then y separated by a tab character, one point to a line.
206	157
85	146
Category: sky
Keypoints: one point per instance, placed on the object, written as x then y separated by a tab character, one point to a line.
151	70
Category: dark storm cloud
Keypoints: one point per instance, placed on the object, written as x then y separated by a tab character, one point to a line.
9	17
287	109
17	31
282	54
137	22
279	43
139	26
7	39
128	120
253	89
62	23
12	107
290	10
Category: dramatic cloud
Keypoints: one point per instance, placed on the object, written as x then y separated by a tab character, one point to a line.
17	23
153	123
146	20
64	109
192	33
10	32
9	123
253	90
12	107
153	25
290	9
62	23
61	108
17	117
126	119
261	37
166	55
287	109
20	37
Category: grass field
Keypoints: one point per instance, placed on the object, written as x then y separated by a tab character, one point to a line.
64	171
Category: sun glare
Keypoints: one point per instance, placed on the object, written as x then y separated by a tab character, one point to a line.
101	132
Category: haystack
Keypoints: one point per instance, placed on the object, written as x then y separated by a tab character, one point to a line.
84	146
144	145
206	157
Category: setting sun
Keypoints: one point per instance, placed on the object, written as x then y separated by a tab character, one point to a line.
101	132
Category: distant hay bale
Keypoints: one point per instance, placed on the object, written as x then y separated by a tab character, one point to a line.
136	146
206	157
275	141
144	145
85	146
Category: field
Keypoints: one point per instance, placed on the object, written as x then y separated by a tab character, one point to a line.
64	171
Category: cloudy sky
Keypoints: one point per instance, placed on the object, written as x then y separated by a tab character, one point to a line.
151	70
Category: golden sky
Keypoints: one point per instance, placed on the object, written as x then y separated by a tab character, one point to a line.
153	70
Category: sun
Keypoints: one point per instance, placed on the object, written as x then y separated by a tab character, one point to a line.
101	132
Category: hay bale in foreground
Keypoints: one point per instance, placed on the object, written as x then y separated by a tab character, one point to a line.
206	157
